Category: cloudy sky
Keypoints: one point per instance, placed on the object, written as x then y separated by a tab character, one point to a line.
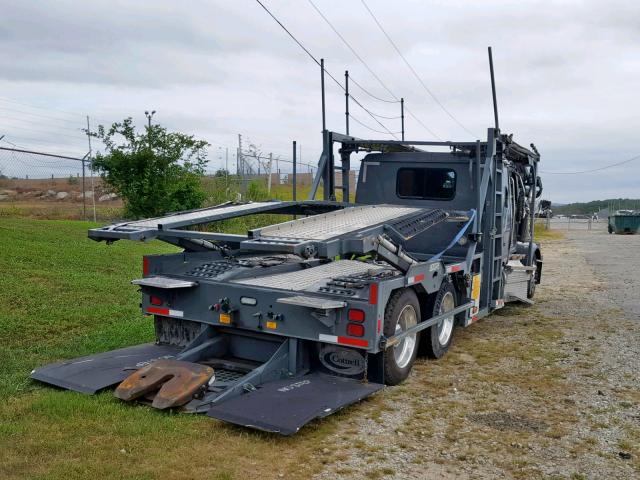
568	75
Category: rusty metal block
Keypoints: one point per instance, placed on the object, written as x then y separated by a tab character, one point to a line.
175	382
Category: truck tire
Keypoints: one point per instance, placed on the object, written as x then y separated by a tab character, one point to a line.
402	312
531	288
437	339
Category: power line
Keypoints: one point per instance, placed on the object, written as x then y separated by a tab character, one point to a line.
52	110
318	62
371	94
415	74
64	112
637	157
38	115
28	141
397	117
46	132
337	32
367	126
372	72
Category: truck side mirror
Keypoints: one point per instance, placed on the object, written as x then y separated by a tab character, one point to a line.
538	187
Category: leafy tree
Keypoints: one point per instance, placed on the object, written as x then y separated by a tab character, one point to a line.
155	172
584	208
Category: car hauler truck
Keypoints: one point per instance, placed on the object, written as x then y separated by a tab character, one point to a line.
296	320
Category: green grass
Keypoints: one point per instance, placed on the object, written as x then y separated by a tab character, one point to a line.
541	234
63	296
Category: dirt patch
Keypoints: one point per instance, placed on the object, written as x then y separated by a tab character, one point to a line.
548	391
507	421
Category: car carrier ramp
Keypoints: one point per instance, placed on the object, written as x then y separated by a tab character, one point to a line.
173	225
334	224
352	229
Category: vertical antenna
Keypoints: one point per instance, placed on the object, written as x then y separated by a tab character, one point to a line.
346	99
402	117
493	91
324	120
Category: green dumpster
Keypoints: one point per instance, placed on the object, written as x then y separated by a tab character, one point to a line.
624	222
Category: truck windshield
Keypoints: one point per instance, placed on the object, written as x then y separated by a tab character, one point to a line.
426	183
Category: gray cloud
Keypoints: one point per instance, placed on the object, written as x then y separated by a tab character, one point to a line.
567	73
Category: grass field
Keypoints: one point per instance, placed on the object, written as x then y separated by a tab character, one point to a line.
62	296
217	191
541	234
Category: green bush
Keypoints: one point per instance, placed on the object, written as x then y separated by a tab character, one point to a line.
155	172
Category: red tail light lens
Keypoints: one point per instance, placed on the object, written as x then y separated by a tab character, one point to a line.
373	293
145	266
356	315
155	300
355	330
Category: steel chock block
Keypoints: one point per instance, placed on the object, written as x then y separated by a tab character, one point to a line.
175	382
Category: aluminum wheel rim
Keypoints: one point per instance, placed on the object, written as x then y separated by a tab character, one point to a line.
445	327
403	351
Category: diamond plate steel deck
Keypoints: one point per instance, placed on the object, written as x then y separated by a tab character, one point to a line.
193	217
303	279
333	224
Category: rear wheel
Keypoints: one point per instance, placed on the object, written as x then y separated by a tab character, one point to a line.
535	278
402	313
437	338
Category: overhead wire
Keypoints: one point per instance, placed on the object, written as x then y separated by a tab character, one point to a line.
319	64
367	126
351	79
55	111
38	115
413	71
397	117
372	72
599	169
337	32
46	132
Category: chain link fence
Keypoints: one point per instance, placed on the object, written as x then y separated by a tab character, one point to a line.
47	185
53	186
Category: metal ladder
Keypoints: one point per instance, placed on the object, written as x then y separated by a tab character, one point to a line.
497	227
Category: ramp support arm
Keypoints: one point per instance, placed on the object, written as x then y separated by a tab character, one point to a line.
394	254
395	339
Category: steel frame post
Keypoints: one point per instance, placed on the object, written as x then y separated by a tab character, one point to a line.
532	220
401	117
294	170
84	200
346	100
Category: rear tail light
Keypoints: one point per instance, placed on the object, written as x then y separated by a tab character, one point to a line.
155	300
145	266
356	315
373	294
355	330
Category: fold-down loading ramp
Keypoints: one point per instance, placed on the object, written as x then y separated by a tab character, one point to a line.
93	373
277	395
285	406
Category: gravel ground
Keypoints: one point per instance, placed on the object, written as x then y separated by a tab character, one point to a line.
548	391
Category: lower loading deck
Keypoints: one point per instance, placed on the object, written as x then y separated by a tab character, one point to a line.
278	391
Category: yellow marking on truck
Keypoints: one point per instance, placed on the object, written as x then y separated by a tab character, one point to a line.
272	325
225	318
475	293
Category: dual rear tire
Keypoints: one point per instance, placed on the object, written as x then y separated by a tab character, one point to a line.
403	312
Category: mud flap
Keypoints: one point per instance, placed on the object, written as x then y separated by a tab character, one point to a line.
284	406
95	372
